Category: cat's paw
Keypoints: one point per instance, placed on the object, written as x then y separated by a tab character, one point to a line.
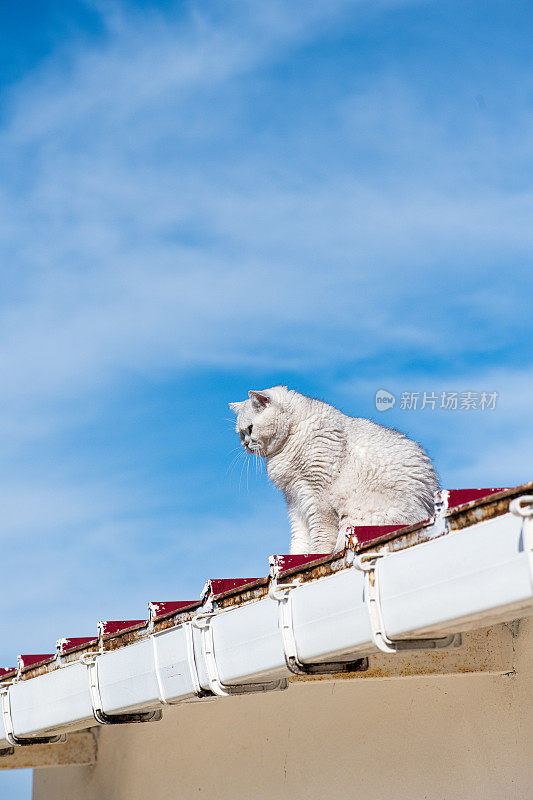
340	544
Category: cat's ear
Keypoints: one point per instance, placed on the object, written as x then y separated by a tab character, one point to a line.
260	400
235	406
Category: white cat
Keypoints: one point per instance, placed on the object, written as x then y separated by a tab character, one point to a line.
334	470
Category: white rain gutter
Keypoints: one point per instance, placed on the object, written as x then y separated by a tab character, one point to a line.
478	576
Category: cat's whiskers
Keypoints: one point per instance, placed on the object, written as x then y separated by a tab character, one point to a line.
240	456
234	461
244	463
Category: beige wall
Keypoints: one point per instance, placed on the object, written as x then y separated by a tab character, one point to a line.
424	738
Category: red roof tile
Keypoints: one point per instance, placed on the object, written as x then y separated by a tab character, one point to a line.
216	587
363	534
67	645
116	626
459	497
29	661
280	564
166	608
6	672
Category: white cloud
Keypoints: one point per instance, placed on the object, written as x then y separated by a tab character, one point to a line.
138	243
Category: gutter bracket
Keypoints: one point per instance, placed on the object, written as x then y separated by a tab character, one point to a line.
281	593
193	664
368	563
203	623
523	507
96	700
440	524
22	741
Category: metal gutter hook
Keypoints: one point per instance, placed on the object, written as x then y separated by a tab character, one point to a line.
523	507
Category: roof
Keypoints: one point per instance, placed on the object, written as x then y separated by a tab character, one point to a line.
455	507
392	589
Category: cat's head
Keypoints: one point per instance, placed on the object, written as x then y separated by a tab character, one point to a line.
263	421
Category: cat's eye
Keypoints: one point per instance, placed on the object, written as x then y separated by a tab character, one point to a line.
249	429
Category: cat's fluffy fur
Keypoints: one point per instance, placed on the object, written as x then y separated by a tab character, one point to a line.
334	470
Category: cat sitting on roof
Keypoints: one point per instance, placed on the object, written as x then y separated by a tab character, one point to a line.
334	470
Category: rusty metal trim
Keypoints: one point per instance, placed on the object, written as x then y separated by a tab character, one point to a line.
412	534
305	568
155	618
493	505
209	594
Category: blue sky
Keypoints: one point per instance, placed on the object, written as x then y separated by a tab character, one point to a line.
201	198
